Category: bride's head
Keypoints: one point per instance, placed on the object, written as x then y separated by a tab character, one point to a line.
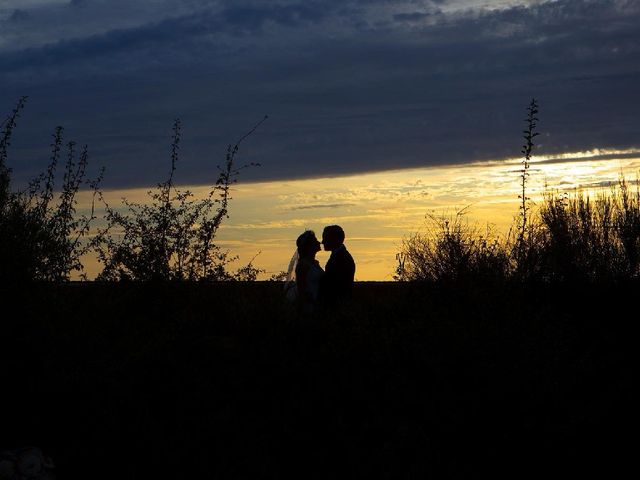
308	245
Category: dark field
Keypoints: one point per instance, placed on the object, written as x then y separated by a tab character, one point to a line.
410	381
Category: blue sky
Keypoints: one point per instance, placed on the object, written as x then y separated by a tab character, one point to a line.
350	86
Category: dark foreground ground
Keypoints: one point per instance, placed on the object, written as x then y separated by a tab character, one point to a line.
411	381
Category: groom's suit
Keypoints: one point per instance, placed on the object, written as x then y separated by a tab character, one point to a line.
337	282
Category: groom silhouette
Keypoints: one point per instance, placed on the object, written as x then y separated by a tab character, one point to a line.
337	282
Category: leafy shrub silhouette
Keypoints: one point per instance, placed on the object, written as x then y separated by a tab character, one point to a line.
590	239
451	250
627	224
41	236
172	237
570	237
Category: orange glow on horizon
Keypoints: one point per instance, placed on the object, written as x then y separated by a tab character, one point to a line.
378	209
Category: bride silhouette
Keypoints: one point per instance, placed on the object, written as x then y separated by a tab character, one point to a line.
305	273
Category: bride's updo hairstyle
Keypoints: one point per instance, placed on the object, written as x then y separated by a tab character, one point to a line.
305	243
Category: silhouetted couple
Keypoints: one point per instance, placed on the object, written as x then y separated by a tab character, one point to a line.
312	287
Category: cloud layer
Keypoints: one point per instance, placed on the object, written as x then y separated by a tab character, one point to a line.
350	86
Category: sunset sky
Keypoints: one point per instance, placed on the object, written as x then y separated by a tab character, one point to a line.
379	110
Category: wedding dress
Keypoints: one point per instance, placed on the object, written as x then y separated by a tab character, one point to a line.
303	281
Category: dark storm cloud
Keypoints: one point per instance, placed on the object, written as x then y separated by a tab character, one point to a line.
410	17
170	32
70	51
253	19
18	16
350	86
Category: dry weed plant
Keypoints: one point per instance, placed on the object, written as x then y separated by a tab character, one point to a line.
173	236
570	237
41	235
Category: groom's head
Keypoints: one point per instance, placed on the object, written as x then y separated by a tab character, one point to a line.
332	237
